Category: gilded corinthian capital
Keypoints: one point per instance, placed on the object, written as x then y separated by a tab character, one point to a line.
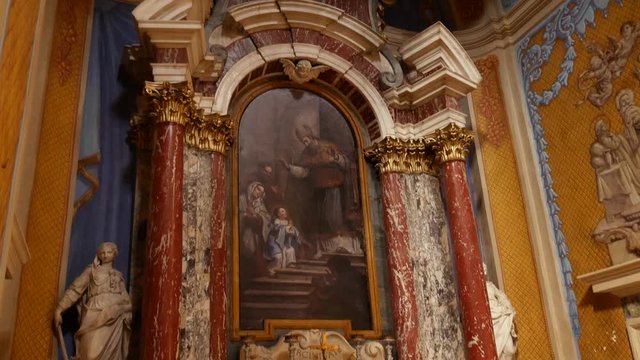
211	132
170	102
402	156
450	143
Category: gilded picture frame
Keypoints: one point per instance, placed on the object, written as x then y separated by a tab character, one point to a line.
296	265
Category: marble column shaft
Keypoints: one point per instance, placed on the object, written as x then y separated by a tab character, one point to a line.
476	315
451	145
163	265
218	284
403	299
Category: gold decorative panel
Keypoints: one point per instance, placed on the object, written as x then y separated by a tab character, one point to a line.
33	338
568	123
509	217
14	71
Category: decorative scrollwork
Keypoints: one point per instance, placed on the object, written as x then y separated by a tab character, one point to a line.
571	20
395	78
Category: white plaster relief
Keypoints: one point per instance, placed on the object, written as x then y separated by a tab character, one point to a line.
430	124
440	330
162	10
276	51
309	16
270	14
307	51
441	66
194	301
402	273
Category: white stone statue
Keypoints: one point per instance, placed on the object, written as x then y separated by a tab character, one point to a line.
502	315
104	308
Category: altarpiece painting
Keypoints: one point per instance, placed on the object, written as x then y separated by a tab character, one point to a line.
302	246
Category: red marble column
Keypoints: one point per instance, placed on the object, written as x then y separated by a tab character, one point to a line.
403	300
451	147
163	264
218	283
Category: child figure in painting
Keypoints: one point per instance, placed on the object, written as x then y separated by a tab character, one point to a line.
282	242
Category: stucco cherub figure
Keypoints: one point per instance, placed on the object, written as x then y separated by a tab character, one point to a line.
104	307
303	71
607	64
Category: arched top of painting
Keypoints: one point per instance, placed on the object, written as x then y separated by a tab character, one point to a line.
282	122
305	111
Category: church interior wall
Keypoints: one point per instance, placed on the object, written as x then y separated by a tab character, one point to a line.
50	209
517	264
563	134
566	127
17	41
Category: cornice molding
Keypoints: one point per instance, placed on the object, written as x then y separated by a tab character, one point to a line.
505	31
440	66
263	15
494	32
430	125
171	10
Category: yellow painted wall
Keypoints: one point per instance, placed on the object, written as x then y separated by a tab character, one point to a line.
33	337
568	129
508	212
14	70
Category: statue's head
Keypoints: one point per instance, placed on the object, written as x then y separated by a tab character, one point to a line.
106	252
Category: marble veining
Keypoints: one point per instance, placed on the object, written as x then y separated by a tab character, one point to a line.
440	330
194	304
403	299
161	300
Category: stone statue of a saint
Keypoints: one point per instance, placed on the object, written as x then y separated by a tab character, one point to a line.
104	308
502	315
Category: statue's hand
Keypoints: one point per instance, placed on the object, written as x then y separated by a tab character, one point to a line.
57	317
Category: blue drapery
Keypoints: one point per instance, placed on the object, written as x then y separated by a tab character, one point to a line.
107	216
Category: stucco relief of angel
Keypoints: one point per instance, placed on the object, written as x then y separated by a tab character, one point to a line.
607	64
303	71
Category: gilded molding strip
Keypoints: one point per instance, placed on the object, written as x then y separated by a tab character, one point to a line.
450	143
402	156
211	132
